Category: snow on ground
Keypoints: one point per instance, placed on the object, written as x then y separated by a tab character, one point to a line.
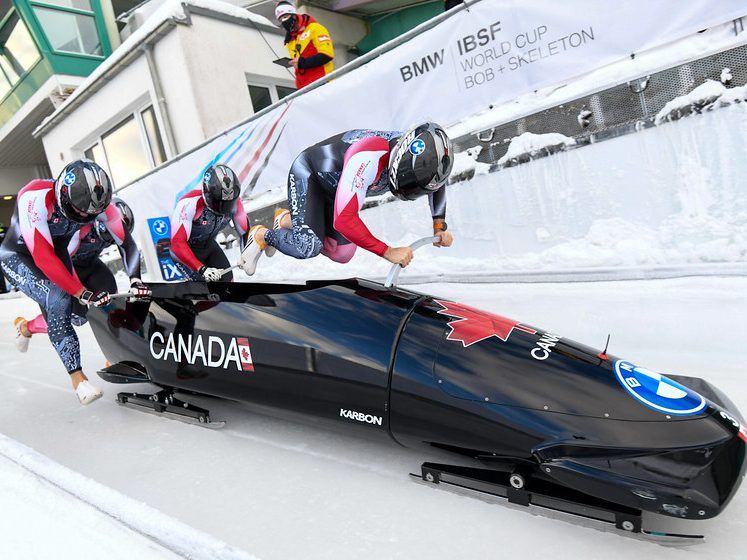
38	520
280	490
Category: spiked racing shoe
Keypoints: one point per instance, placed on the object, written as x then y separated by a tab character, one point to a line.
21	340
254	247
87	393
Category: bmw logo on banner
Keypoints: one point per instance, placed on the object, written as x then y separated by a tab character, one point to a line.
657	391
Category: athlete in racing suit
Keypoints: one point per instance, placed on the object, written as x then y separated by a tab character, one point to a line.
198	218
85	249
34	255
329	182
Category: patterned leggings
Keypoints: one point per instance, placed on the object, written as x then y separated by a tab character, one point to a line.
55	303
312	215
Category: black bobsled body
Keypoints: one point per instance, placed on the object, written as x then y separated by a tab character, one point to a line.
498	394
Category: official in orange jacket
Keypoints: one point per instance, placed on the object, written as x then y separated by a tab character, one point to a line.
308	43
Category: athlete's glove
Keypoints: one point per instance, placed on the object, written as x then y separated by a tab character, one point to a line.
97	298
138	290
211	274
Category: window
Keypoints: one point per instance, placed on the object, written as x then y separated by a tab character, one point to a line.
265	94
69	32
77	4
70	26
131	148
154	136
124	152
284	92
261	97
18	52
96	153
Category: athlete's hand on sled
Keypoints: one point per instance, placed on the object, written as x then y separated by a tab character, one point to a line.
445	239
211	274
399	255
138	290
97	298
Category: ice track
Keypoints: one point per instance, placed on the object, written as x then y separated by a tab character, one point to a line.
278	489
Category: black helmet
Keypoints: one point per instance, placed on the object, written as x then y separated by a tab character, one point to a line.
128	219
420	162
83	190
220	189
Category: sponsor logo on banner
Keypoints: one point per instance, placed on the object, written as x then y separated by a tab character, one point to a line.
472	325
208	351
658	391
160	233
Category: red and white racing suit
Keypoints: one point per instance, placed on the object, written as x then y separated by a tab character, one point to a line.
193	229
327	186
34	258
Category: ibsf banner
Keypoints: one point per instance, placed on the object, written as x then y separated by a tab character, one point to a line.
485	54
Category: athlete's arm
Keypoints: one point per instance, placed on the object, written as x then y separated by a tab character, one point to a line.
181	228
437	202
32	217
74	244
241	224
128	249
364	162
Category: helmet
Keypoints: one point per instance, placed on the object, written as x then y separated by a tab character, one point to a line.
284	9
420	162
220	189
128	219
83	190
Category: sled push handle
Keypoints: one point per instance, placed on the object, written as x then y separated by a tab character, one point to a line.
393	276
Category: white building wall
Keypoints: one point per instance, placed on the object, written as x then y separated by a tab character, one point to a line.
127	91
203	68
219	56
178	90
346	31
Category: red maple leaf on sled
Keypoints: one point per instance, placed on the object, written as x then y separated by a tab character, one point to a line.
473	325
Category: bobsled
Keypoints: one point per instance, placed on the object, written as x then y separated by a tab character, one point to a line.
515	411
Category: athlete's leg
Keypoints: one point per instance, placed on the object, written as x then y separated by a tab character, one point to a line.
306	201
338	252
56	303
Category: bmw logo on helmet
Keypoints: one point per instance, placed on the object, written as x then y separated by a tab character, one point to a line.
657	391
69	178
417	147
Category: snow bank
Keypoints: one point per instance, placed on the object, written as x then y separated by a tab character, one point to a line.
466	164
529	144
166	531
703	96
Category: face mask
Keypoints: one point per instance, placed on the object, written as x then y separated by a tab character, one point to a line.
289	24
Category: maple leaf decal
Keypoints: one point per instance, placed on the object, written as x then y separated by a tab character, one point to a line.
473	325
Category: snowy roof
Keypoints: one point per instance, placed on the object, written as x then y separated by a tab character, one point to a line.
169	11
